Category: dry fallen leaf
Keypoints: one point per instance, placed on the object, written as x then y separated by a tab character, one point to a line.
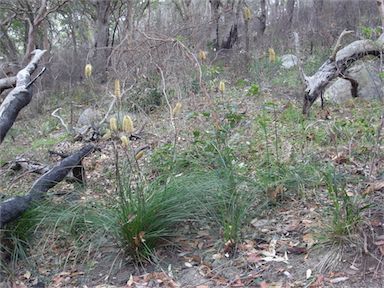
275	192
187	264
297	250
287	149
308	274
338	280
308	239
373	187
253	258
340	158
27	275
319	283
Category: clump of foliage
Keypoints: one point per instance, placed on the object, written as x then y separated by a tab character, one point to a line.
148	213
45	224
253	90
346	210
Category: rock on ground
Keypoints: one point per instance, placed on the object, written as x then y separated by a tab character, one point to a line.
367	74
288	61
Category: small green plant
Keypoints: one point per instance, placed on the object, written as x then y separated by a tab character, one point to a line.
253	90
241	83
370	32
346	211
230	203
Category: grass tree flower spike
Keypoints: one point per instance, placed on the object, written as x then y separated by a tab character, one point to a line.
271	55
177	109
117	89
247	14
88	71
124	141
127	124
113	124
222	87
202	55
139	155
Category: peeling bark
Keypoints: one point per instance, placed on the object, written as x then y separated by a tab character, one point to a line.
19	97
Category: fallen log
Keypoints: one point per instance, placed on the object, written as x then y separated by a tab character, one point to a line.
336	66
20	96
28	166
7	83
12	208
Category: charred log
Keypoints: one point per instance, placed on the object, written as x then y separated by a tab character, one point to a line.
12	208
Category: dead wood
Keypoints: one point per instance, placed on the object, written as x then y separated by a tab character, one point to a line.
12	208
336	66
20	96
7	83
25	166
22	164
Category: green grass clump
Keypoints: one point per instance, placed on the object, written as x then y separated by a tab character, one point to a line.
147	214
346	211
44	224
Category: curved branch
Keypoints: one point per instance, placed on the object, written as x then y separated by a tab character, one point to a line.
336	67
19	97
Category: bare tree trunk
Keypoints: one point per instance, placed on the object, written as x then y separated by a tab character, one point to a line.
7	45
263	17
290	7
231	24
33	23
102	50
182	6
380	6
129	20
315	23
215	5
246	28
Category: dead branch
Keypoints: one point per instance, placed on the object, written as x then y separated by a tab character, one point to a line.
12	208
337	66
338	43
7	83
20	96
108	112
34	79
54	114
